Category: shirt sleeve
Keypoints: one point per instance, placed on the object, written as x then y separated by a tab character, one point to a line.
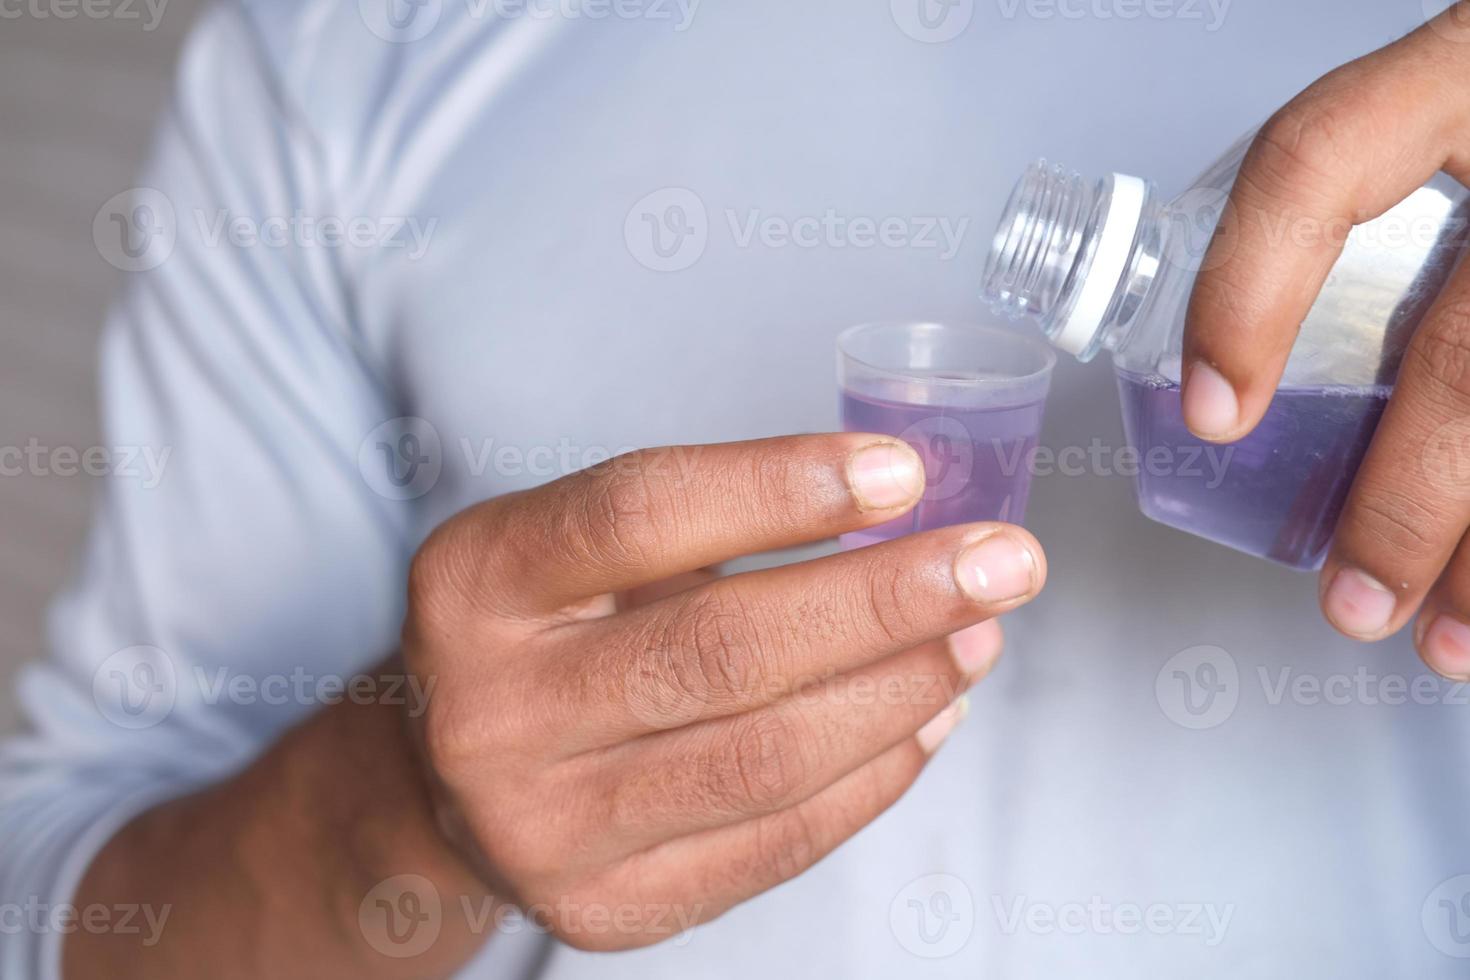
237	533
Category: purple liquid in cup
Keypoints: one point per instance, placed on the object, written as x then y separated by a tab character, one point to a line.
1278	492
977	461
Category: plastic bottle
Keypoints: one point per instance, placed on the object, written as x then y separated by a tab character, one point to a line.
1109	266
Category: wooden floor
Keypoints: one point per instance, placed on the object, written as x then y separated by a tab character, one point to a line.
77	102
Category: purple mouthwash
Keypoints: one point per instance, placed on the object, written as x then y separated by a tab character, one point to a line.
977	461
1278	492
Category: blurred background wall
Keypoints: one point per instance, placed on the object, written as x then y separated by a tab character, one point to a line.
78	99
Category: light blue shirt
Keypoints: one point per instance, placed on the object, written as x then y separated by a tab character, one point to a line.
549	232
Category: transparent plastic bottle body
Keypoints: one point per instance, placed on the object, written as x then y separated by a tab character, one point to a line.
1107	266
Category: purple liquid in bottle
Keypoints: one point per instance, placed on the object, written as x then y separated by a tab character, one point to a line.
1278	492
977	460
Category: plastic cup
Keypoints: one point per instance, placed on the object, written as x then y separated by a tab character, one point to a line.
969	399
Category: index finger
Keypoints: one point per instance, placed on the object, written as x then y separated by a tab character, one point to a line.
1349	148
652	514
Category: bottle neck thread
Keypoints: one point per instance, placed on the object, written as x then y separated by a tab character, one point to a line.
1073	256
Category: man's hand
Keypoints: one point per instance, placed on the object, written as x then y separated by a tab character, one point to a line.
624	774
1346	150
619	772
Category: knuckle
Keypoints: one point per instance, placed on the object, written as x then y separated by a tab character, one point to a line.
452	742
619	513
793	845
717	650
586	940
596	917
769	765
459	738
441	575
869	794
528	846
777	490
1392	522
530	857
610	517
582	942
887	603
1440	352
1227	300
886	783
1302	145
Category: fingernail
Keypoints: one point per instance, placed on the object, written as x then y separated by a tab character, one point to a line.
1447	647
937	729
1359	604
975	649
997	569
1210	406
885	475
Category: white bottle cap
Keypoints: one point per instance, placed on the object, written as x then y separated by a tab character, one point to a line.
1115	243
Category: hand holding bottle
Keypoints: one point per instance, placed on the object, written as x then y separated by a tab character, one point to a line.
1345	151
